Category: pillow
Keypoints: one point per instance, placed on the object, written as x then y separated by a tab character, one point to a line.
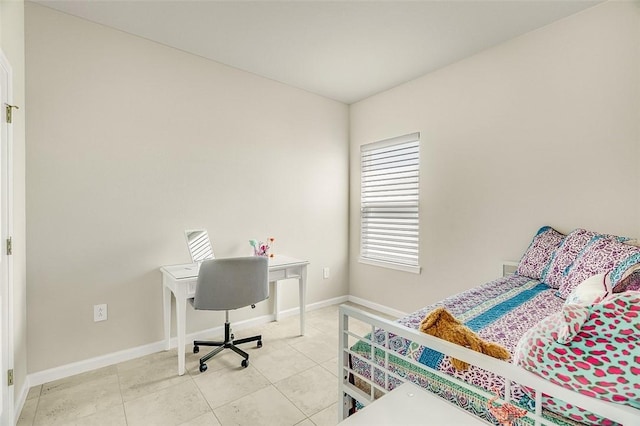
565	255
630	282
590	291
571	247
601	255
539	252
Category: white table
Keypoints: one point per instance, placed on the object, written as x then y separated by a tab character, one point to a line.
181	280
410	405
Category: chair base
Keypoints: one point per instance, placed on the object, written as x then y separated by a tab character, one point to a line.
228	343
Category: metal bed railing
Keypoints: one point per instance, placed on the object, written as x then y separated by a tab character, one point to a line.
348	392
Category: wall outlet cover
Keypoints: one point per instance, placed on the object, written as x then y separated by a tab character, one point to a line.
100	312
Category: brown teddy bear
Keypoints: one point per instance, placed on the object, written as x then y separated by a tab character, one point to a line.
440	323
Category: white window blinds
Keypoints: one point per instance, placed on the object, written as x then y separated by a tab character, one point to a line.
389	201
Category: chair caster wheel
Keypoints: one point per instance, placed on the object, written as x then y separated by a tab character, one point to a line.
259	343
245	363
196	349
203	368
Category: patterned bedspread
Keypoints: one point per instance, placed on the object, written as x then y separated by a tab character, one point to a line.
500	311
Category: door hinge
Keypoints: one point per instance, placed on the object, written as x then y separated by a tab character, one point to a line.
9	247
9	112
10	377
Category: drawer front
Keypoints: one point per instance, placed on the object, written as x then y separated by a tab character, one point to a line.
277	275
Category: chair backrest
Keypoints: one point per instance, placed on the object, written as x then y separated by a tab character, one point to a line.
232	283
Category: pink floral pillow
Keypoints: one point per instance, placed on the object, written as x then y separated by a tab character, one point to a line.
538	255
601	255
565	255
631	282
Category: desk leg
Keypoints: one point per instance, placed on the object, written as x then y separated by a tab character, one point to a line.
166	315
276	301
303	297
181	313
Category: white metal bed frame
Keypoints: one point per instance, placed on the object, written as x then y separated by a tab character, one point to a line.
622	414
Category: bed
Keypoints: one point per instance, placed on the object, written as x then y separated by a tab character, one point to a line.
559	277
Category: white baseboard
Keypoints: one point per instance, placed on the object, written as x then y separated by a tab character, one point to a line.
314	306
56	373
83	366
45	376
381	308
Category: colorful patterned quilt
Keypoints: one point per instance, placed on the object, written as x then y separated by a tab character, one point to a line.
500	311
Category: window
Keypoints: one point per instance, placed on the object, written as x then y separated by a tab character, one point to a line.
389	198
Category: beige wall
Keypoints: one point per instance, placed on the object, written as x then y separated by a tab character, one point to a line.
541	130
130	143
12	45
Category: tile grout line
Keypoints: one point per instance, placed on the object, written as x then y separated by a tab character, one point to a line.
306	417
124	410
205	398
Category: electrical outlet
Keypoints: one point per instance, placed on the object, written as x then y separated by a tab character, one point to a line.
100	312
325	272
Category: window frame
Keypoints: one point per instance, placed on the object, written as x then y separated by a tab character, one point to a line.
403	205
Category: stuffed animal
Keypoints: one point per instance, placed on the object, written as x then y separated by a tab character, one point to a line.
440	323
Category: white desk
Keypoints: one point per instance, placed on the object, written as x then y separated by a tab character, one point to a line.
181	280
410	405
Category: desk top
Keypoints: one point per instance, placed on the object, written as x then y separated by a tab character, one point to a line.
190	270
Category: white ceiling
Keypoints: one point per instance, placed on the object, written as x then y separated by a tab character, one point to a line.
344	50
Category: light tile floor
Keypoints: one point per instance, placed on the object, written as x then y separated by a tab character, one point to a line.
291	380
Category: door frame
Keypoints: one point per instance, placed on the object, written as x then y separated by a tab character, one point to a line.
6	230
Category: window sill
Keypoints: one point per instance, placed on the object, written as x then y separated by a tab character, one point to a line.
391	265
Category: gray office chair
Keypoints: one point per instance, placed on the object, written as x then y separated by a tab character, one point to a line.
226	284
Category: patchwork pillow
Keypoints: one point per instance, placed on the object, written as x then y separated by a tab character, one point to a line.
629	283
565	255
590	291
600	256
538	254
